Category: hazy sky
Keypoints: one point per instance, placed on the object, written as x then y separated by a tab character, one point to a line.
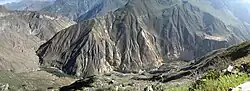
9	1
248	1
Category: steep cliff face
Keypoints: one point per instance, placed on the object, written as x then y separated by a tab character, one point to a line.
20	35
83	9
140	35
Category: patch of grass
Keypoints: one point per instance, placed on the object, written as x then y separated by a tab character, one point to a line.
222	83
213	81
216	81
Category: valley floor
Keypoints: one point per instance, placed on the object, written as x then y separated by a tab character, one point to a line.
33	81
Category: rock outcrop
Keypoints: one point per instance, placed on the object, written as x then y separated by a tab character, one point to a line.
141	35
21	33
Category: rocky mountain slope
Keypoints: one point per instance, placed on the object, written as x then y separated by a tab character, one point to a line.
120	45
183	78
83	9
30	5
141	35
220	59
21	33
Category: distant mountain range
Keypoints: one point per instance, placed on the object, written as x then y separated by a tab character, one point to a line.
30	5
84	9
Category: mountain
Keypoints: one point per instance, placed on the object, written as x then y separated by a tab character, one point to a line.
203	73
83	9
30	5
142	35
122	44
239	8
21	33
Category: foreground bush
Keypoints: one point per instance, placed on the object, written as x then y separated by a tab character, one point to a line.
222	83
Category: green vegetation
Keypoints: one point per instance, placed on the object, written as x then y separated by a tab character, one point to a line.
222	83
213	82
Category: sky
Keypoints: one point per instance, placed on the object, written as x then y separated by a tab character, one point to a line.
247	1
9	1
